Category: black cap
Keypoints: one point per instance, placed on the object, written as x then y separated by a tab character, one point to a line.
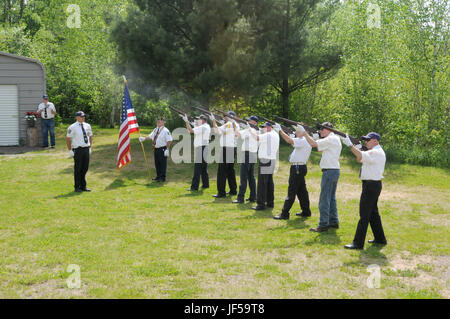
268	124
252	118
80	113
45	96
370	136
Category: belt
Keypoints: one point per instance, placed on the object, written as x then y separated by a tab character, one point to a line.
297	163
160	147
330	169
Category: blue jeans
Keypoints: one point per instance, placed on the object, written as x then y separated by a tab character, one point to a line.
327	200
48	126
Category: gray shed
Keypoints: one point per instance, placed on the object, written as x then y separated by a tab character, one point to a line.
22	84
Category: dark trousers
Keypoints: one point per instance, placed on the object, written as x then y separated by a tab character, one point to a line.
265	189
368	213
297	188
48	126
160	163
200	168
81	159
226	172
247	174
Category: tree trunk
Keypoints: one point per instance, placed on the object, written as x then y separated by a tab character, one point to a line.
22	6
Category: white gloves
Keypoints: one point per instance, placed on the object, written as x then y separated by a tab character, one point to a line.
166	153
184	117
71	153
248	125
346	140
242	126
299	128
277	127
141	139
359	146
292	135
222	122
211	116
316	136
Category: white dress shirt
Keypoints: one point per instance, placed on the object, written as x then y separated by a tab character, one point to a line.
301	152
75	132
163	137
50	107
249	142
201	135
268	145
373	162
227	137
330	147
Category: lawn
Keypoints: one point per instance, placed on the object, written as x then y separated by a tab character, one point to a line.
133	238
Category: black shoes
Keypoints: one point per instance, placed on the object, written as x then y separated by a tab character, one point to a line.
219	196
77	190
192	190
282	216
352	246
334	226
372	241
303	215
86	190
251	200
238	201
259	208
319	229
205	187
155	178
232	193
270	205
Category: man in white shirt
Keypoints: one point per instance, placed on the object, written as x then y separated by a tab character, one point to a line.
297	186
249	151
330	146
269	142
161	143
79	143
225	170
202	132
47	111
373	162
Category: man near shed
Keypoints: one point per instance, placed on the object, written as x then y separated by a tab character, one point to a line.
47	111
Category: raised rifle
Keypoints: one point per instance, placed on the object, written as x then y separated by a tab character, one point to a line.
354	140
308	128
286	129
237	119
208	112
190	119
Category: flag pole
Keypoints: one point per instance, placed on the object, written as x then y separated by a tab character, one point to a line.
142	145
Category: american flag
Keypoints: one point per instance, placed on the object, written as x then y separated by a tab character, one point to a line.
128	125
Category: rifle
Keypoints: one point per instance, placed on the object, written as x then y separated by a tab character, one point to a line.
308	129
190	119
354	140
239	120
286	129
208	112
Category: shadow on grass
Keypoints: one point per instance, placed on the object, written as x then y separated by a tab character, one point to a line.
329	237
68	195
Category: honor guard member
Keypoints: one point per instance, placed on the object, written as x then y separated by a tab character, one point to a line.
330	146
47	111
249	150
371	174
268	142
227	141
161	143
202	132
79	143
297	186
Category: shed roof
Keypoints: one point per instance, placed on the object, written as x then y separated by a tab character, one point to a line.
28	60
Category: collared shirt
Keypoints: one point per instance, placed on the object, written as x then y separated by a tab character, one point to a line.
330	147
201	135
163	137
249	142
50	107
301	152
268	145
227	137
373	162
75	132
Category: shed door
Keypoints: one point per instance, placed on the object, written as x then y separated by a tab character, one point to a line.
9	115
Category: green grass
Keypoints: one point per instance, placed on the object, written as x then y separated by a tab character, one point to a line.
137	239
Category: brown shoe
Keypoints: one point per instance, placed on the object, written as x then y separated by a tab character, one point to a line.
319	229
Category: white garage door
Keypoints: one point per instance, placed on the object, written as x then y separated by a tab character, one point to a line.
9	115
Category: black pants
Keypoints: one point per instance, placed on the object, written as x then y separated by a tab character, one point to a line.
265	189
81	159
200	168
297	187
247	174
226	172
368	213
160	163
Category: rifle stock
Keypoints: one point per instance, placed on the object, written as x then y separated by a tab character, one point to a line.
308	128
237	119
207	112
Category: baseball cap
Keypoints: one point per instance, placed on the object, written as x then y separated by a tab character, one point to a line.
80	113
45	96
252	118
231	113
268	124
370	136
201	117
